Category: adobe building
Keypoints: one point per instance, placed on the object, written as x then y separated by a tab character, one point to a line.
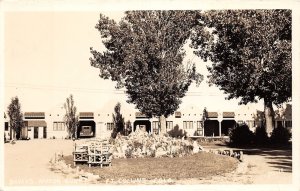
186	121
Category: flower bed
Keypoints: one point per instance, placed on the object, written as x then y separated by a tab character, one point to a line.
140	144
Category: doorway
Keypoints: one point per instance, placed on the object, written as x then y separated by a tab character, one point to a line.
36	132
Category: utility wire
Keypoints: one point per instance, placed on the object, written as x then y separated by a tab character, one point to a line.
91	90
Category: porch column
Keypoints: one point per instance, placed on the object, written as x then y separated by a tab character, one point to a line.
220	128
220	119
132	127
203	129
151	128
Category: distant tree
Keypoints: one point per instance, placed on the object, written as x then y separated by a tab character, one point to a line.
15	116
251	54
144	53
71	119
118	120
241	135
261	136
280	135
128	127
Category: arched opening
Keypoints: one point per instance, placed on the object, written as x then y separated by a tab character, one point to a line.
226	126
142	124
86	129
211	128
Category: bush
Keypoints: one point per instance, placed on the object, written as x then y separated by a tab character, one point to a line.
241	135
261	136
280	135
177	133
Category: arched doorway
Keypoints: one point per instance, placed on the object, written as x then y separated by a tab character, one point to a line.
211	128
226	126
143	124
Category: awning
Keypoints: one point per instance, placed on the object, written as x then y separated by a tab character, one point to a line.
34	114
86	115
228	114
212	114
36	123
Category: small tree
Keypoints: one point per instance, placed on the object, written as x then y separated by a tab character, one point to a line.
15	116
118	120
280	135
261	136
71	119
128	127
241	135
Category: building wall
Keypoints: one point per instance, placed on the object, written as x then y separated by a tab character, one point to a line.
53	119
185	124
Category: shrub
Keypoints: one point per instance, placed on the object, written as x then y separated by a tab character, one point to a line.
176	132
241	135
280	135
261	136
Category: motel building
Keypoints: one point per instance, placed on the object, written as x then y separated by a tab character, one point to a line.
186	121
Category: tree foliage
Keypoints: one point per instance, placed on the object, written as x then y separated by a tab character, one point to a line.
280	135
118	120
241	135
251	54
144	53
71	118
15	116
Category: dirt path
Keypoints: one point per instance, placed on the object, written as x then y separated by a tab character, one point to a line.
260	166
27	163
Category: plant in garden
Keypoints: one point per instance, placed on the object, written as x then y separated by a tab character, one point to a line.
128	127
251	55
15	117
241	135
118	120
280	135
144	53
71	118
261	136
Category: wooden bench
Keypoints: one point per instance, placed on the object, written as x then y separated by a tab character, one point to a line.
80	153
98	154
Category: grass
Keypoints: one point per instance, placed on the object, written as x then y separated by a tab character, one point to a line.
201	165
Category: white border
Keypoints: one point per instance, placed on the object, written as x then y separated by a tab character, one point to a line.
117	5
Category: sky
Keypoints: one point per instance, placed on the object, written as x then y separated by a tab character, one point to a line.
46	56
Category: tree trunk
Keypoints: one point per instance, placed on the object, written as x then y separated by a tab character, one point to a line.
14	134
162	122
269	116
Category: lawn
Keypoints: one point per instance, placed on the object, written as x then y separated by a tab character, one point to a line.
199	166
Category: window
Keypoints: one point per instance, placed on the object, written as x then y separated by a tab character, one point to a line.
155	127
199	128
6	126
199	125
240	122
188	125
169	124
250	123
288	123
110	126
59	126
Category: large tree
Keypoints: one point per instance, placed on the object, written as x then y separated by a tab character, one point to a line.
144	53
71	118
251	54
15	116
